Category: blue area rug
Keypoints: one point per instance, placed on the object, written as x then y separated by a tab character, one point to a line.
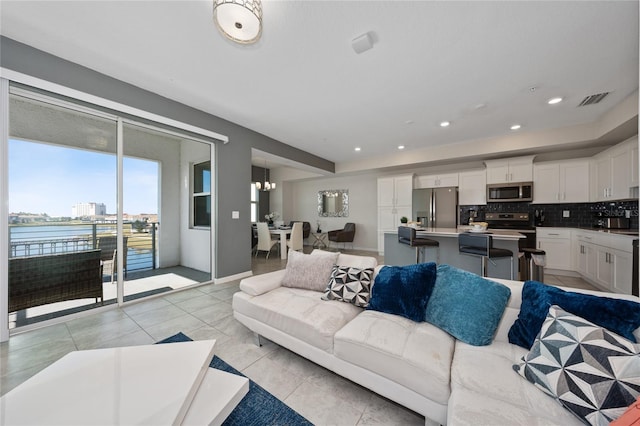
258	407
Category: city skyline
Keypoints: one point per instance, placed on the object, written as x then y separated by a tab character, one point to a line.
52	179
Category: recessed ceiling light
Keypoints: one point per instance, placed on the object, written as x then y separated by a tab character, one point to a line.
515	127
357	149
444	124
400	146
554	101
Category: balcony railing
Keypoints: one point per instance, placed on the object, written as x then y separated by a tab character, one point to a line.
38	240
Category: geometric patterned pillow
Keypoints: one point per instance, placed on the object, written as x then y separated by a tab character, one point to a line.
351	285
590	370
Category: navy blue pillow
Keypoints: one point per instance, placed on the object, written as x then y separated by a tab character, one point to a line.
617	315
403	290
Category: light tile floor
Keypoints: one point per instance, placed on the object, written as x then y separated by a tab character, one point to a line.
205	313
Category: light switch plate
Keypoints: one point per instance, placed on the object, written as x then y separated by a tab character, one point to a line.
566	213
235	214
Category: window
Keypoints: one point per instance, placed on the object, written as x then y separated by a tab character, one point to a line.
254	203
202	194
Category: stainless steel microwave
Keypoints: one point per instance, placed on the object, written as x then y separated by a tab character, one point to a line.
510	192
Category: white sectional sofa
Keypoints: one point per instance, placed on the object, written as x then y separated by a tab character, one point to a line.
416	364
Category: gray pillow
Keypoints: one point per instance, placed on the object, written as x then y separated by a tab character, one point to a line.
308	272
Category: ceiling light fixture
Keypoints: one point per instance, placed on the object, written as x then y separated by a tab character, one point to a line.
266	186
357	149
239	20
554	101
400	146
445	124
515	127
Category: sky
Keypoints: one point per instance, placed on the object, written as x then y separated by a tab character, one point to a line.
51	179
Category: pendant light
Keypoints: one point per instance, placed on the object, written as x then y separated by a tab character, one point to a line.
265	185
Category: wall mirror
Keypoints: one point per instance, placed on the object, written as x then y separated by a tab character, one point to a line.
333	202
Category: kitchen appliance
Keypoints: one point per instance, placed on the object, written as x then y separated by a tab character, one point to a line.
518	222
436	207
509	192
612	223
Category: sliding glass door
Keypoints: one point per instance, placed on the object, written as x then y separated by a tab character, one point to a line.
101	209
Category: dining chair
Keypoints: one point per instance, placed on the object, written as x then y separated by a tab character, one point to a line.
295	242
265	240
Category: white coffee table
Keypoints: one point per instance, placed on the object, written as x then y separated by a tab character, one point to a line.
153	384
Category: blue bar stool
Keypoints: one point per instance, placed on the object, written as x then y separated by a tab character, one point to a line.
407	235
482	246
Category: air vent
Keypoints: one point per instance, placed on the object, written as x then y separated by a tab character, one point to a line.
593	99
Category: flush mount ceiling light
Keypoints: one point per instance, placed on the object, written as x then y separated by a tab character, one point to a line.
265	185
554	101
239	20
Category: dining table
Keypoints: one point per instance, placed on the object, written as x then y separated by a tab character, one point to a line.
283	232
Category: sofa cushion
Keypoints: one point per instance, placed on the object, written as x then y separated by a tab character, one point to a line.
351	285
593	372
299	313
415	355
308	272
466	305
620	316
485	390
403	290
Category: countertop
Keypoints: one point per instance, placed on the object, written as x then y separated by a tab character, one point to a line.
627	232
497	234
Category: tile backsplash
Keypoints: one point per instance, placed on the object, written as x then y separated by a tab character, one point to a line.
581	215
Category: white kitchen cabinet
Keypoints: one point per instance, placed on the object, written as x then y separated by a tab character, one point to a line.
585	260
561	182
556	242
635	179
604	259
519	169
436	181
472	188
395	195
616	171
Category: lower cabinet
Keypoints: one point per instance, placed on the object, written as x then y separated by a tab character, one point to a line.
614	269
556	242
604	259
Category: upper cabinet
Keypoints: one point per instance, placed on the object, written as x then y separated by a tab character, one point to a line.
561	182
472	188
616	172
395	196
518	169
436	181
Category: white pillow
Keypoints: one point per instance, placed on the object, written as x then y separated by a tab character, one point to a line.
307	271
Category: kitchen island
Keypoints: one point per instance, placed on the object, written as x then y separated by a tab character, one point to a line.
401	254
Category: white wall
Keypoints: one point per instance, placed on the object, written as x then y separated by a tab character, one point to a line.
303	199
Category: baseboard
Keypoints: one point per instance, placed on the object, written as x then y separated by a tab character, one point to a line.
234	277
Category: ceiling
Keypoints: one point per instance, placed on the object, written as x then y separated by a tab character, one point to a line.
481	65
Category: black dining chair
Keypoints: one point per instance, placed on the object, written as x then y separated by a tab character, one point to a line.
481	245
407	235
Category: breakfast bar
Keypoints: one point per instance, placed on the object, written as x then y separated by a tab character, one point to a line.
402	254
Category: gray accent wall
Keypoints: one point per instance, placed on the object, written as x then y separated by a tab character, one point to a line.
233	160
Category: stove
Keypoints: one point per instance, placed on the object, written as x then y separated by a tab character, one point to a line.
518	222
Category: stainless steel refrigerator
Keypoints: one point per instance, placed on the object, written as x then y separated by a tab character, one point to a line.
436	207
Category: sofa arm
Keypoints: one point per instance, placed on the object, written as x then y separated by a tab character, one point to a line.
260	284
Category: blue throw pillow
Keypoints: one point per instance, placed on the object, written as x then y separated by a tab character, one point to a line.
466	305
403	290
617	315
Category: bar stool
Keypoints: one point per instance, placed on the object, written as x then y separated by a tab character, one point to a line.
407	235
482	246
